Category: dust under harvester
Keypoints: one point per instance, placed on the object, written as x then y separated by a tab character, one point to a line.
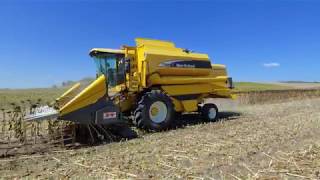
150	84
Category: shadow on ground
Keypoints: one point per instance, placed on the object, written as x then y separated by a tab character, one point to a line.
194	119
98	137
121	133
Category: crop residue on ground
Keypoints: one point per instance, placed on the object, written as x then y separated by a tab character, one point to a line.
278	140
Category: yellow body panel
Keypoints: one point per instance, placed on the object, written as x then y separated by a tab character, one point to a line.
150	53
180	72
175	90
89	95
152	42
156	79
125	104
177	105
233	96
190	105
201	90
65	97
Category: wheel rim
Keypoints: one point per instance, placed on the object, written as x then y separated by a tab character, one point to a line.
158	112
212	113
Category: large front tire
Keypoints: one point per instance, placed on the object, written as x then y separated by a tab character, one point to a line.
155	111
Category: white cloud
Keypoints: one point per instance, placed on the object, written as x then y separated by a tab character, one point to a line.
271	65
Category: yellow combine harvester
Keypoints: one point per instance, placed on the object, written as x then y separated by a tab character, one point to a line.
151	82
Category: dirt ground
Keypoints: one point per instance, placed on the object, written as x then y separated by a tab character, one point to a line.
278	141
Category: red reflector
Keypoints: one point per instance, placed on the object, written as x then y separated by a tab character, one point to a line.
109	115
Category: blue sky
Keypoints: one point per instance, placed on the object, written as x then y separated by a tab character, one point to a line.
46	42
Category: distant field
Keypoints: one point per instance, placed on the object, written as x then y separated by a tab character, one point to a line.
252	86
8	96
301	85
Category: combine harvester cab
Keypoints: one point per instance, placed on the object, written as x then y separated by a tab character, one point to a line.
152	81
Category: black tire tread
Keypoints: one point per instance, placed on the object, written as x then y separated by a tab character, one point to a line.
204	112
138	113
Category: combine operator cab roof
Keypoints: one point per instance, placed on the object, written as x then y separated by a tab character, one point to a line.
101	51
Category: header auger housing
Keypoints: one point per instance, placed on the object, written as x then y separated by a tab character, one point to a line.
152	81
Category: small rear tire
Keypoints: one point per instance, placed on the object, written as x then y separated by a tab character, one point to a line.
210	112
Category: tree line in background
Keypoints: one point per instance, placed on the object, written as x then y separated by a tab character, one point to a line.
68	83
